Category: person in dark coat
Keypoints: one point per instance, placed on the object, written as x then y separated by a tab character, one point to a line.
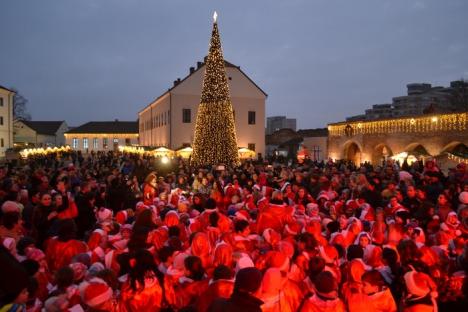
247	284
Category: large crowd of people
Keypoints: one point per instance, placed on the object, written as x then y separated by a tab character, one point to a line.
122	232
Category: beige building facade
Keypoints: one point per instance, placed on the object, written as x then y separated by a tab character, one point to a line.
6	119
39	133
102	136
170	119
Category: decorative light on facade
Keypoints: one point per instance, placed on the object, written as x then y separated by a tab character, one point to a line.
445	122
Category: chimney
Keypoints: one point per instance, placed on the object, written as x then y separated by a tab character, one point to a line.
192	70
176	82
199	64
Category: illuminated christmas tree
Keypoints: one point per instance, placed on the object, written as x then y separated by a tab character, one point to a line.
215	139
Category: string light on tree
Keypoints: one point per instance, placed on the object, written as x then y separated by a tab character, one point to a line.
215	139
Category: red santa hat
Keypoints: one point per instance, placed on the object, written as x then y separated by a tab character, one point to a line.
352	204
10	206
242	215
276	259
419	284
271	236
293	228
323	195
121	216
328	253
95	238
286	248
96	293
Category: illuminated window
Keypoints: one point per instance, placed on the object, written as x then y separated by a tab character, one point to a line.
95	143
75	143
105	143
85	142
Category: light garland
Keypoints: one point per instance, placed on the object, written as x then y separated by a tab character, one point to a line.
456	158
43	151
445	122
215	139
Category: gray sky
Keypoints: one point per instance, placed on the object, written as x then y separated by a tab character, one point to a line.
319	61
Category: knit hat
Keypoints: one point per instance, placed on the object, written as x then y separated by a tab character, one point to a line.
96	293
79	270
326	285
103	215
10	206
418	284
248	279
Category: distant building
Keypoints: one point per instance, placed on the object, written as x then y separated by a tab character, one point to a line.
276	123
170	119
421	98
316	141
103	135
6	119
286	142
39	133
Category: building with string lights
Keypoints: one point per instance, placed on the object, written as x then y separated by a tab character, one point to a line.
440	136
170	119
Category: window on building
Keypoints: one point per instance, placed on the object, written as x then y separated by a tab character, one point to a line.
115	141
75	143
1	120
251	118
234	114
2	143
169	116
105	143
251	146
1	101
186	115
128	141
95	143
85	143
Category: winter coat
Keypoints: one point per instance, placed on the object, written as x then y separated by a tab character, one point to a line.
147	297
217	289
316	304
239	301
